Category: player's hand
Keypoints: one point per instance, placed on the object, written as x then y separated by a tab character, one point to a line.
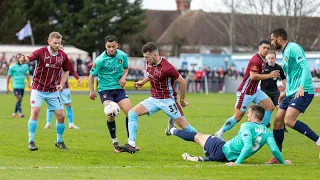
287	161
138	84
122	82
183	103
299	93
22	59
59	87
92	95
79	82
281	97
274	74
231	164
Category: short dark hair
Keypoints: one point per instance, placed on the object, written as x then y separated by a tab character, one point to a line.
258	111
110	38
273	52
149	47
264	42
280	32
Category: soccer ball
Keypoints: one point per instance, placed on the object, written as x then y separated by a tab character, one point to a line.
112	109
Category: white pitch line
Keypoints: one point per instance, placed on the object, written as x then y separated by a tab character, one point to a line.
145	167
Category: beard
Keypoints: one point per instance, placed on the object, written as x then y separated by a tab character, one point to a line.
276	46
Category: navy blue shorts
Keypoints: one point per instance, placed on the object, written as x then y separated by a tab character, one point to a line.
18	92
299	104
213	149
115	95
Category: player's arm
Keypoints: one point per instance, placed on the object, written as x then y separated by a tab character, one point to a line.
256	76
139	84
274	149
183	90
94	72
8	80
28	76
65	76
247	143
122	80
34	56
28	79
73	72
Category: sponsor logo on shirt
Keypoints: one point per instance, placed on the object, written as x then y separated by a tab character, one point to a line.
51	66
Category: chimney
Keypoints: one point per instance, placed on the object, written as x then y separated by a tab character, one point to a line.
183	5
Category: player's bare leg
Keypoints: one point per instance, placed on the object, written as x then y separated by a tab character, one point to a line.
238	115
291	121
60	126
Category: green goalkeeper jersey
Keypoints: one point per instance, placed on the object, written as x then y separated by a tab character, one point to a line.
250	138
109	70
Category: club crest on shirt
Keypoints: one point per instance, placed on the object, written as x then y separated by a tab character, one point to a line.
59	59
286	58
119	61
94	65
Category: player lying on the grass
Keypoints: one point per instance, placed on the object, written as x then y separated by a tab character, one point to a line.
250	138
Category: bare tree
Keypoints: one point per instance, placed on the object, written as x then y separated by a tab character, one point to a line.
228	21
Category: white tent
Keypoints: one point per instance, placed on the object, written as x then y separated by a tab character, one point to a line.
13	49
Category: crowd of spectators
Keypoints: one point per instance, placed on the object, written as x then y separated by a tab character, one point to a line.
195	78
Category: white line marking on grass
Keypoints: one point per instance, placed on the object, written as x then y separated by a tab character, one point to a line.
146	167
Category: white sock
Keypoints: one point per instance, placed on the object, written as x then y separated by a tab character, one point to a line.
318	142
114	140
132	143
220	132
172	129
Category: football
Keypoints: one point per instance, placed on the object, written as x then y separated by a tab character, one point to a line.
112	109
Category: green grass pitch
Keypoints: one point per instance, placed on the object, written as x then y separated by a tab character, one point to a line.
91	156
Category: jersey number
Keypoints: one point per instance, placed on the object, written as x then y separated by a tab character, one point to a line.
257	143
173	108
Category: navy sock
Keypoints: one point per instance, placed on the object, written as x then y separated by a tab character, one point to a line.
127	121
16	108
186	135
19	107
304	129
112	128
279	136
